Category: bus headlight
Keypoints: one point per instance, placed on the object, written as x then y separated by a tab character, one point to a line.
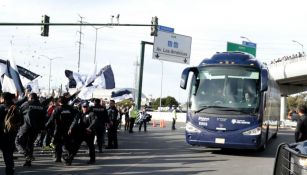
253	132
191	128
302	162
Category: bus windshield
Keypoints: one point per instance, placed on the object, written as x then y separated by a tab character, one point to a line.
233	88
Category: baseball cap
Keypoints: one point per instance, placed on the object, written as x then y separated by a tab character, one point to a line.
85	104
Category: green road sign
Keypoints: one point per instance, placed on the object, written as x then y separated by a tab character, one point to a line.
241	48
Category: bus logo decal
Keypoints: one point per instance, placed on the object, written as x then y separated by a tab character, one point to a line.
222	119
243	122
233	121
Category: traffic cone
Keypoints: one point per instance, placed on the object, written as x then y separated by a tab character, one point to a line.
154	124
162	124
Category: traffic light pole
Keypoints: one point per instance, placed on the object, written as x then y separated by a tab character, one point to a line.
140	81
70	24
154	25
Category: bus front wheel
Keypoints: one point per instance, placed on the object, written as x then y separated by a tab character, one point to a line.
264	146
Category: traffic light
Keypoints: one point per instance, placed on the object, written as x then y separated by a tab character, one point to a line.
154	28
45	27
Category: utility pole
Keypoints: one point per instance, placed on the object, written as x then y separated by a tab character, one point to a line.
96	29
161	85
140	82
80	37
136	64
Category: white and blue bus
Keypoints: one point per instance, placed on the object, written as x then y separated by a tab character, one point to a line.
233	102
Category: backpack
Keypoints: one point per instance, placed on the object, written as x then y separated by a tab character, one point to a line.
12	119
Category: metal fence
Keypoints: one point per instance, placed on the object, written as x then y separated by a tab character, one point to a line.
289	160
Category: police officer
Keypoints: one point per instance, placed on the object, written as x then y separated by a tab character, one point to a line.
133	113
34	117
62	116
174	114
83	129
102	120
6	138
143	119
112	129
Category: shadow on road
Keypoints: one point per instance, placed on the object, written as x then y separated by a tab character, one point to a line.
158	151
284	136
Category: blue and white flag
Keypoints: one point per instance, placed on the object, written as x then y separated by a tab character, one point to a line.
120	95
91	76
23	72
105	78
10	79
86	92
76	80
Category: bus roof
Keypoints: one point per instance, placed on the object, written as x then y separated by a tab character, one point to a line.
236	58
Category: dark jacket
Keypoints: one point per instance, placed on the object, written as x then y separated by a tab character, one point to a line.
83	121
101	114
301	129
113	113
33	114
63	117
3	111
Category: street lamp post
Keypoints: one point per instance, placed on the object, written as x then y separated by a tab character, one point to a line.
299	44
96	28
161	85
50	64
96	35
243	37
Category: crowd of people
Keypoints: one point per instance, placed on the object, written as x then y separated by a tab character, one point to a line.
287	58
59	123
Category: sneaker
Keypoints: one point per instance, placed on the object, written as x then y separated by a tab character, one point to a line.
27	164
47	148
91	162
21	152
57	160
30	158
67	161
9	171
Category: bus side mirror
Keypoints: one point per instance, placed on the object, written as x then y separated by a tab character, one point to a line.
264	80
185	76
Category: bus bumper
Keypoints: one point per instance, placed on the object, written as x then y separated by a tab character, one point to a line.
229	139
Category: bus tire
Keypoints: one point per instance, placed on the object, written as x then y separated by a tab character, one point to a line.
264	146
275	134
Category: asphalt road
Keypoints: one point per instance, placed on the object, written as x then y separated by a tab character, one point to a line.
160	151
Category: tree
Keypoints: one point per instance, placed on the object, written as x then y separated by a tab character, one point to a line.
168	101
125	103
294	101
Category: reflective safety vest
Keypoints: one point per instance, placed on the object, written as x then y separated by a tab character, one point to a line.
174	114
133	113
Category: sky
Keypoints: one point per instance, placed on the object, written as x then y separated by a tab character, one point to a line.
211	24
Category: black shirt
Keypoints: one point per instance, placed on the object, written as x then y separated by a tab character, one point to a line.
33	114
301	129
101	114
63	116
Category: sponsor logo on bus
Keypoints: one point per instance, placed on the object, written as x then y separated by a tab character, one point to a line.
243	122
203	119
